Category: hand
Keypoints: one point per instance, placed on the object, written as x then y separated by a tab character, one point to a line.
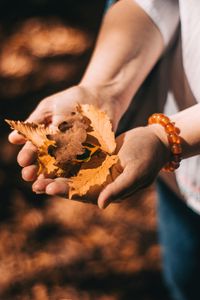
143	152
52	111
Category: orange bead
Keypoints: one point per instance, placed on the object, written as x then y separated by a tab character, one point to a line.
176	149
151	120
160	116
174	138
164	120
156	118
169	128
177	130
168	167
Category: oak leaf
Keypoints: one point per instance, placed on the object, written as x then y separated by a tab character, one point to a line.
101	125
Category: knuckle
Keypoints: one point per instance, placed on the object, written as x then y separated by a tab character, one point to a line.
44	103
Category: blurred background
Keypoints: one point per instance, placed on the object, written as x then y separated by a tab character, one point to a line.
50	248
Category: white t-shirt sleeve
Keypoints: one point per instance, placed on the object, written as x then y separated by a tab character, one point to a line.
164	13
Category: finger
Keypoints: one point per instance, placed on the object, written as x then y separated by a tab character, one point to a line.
16	138
116	189
30	173
40	185
27	155
58	187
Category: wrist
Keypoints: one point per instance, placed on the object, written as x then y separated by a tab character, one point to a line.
103	98
160	134
170	139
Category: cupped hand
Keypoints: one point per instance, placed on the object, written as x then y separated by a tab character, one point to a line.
53	111
142	154
142	151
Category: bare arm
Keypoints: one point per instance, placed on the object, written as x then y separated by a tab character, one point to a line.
128	46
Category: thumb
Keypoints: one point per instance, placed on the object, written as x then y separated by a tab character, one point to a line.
117	189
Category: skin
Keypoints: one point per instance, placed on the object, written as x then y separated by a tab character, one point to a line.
125	52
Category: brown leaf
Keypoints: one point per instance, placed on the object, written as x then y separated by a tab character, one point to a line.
102	128
88	178
69	142
80	149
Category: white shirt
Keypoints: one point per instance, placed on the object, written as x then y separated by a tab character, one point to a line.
167	15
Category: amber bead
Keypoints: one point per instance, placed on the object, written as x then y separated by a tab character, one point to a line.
173	138
176	149
169	128
151	120
177	130
168	167
164	120
154	119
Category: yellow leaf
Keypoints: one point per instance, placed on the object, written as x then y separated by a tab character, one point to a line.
47	165
91	162
88	178
35	133
102	128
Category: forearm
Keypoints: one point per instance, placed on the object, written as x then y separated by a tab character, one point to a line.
128	46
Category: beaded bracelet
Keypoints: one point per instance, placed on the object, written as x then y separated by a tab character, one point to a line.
173	139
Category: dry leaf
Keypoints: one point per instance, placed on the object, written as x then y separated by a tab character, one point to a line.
70	139
47	166
35	133
88	178
102	128
79	150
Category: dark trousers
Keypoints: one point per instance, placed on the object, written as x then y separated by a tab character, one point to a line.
179	234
